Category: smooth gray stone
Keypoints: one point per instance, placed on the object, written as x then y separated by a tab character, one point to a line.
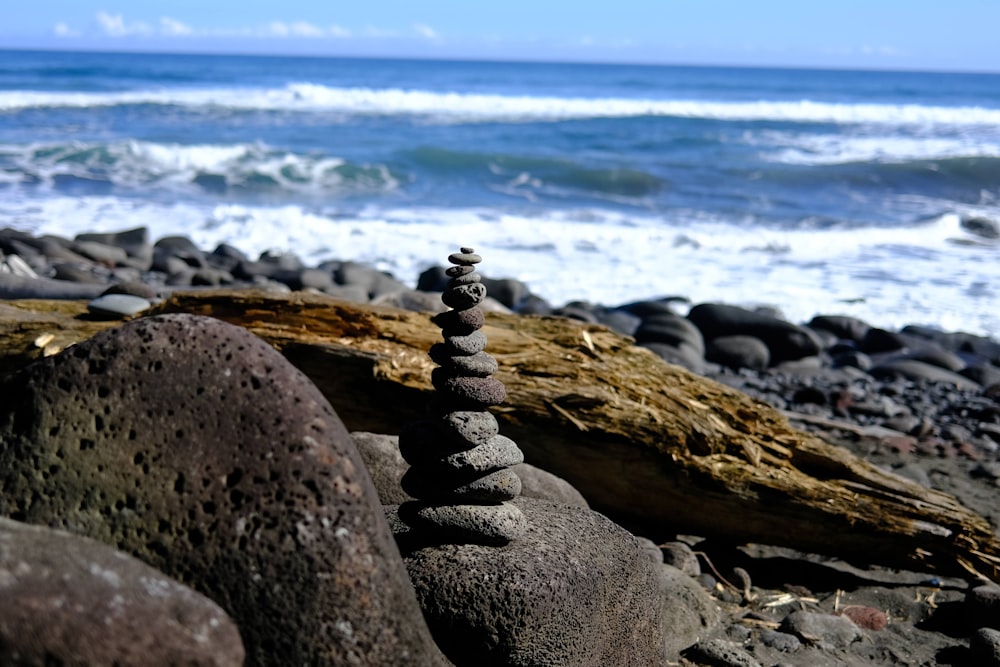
118	305
721	653
108	255
499	452
19	287
838	631
476	365
466	524
690	614
921	372
69	600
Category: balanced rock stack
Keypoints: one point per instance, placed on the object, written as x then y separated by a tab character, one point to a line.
460	465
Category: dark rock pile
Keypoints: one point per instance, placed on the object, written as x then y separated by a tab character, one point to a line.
460	465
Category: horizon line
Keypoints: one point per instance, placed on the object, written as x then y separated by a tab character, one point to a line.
487	59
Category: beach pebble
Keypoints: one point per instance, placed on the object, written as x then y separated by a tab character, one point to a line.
471	524
464	296
868	618
459	345
984	645
837	631
681	556
13	264
780	641
738	352
672	329
465	257
720	653
785	341
981	226
117	305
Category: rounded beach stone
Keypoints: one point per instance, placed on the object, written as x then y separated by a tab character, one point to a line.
459	345
465	257
475	392
457	271
471	524
467	279
440	486
470	425
499	452
573	589
196	447
460	322
464	296
116	306
69	600
476	365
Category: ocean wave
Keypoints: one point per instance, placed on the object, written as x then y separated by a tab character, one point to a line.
829	149
455	107
887	275
520	175
206	167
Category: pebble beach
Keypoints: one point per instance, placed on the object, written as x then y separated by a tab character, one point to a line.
818	241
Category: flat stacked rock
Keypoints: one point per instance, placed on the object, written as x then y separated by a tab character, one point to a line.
460	466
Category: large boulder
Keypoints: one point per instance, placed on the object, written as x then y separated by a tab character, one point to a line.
194	446
784	340
576	590
69	600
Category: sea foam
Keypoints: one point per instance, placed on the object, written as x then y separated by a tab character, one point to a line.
932	273
448	107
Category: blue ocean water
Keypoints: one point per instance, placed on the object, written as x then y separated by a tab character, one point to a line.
815	191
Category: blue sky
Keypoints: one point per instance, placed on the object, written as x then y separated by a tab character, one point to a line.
883	34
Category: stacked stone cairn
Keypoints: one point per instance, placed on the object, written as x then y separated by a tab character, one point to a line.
460	466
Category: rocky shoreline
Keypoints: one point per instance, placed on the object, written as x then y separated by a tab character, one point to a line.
919	402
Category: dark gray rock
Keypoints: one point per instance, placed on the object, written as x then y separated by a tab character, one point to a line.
984	645
541	484
375	282
879	340
981	226
681	556
19	287
921	372
413	300
80	273
679	355
197	447
621	321
935	356
785	341
780	641
738	352
508	291
69	600
178	247
574	590
670	329
135	242
108	255
689	612
842	326
836	631
720	653
982	604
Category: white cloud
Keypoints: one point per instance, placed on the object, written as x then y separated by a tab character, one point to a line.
63	30
426	31
114	25
339	31
173	27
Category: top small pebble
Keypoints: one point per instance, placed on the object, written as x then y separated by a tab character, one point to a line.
466	257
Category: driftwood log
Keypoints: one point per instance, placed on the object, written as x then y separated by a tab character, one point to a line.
649	444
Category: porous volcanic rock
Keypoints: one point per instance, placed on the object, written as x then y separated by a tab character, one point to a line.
69	600
574	590
196	447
